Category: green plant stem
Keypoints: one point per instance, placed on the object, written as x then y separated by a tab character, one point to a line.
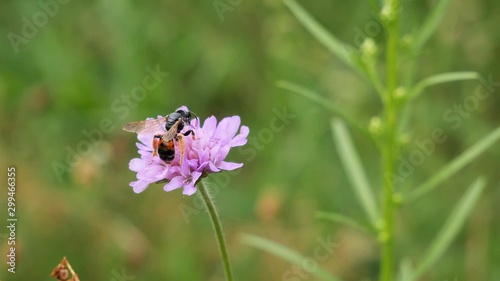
389	148
209	203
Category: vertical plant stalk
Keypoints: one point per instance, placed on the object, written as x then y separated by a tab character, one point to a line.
214	217
389	148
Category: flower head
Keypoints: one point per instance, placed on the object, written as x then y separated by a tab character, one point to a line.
204	153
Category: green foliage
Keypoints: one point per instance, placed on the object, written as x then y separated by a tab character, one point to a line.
440	78
456	164
355	171
83	67
339	49
287	254
338	218
323	102
395	101
450	228
430	24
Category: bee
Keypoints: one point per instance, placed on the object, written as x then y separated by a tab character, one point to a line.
165	130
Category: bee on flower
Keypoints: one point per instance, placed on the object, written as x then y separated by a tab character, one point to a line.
178	150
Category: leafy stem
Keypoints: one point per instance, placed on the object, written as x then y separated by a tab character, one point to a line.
389	148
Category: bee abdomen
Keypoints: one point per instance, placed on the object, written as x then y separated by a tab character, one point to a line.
166	155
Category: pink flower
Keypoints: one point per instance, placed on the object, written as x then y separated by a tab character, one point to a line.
204	154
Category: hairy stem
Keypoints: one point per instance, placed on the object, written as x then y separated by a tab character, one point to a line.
209	203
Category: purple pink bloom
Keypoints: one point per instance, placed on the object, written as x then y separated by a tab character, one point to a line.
204	154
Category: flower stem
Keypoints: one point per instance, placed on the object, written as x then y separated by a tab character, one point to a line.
389	149
209	203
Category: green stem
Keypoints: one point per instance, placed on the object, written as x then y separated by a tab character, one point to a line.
209	203
389	148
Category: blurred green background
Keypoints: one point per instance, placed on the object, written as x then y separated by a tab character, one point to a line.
62	74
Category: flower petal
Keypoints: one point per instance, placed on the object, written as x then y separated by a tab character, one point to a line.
214	152
174	183
139	186
241	138
152	173
146	139
189	190
222	126
204	153
145	153
136	164
143	147
182	108
222	153
202	167
213	168
229	166
185	167
232	127
209	126
172	172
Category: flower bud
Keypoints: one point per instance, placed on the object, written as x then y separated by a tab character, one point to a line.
375	126
400	93
369	48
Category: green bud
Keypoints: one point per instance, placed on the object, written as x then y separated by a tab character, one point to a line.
404	139
375	126
400	93
397	198
369	48
387	14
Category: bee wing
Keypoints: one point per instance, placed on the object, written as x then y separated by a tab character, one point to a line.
151	126
172	132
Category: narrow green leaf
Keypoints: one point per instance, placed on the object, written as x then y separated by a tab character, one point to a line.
429	81
456	164
323	102
288	255
354	170
451	227
430	25
441	78
338	218
341	50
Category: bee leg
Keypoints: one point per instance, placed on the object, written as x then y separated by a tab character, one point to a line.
182	147
156	140
189	132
